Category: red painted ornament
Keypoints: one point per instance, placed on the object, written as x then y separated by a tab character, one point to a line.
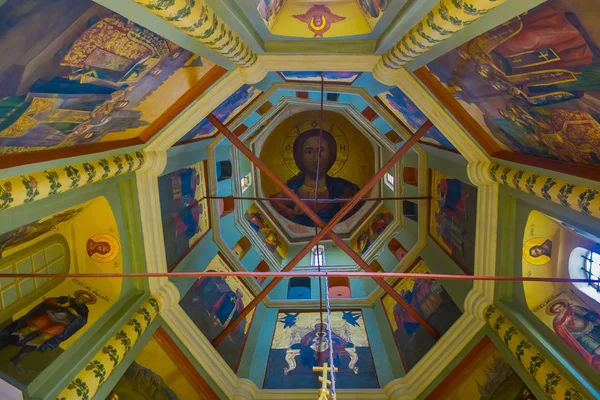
319	19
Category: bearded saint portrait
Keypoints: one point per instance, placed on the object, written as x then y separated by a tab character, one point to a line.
314	163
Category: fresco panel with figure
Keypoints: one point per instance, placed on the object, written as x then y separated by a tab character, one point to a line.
213	302
89	76
452	211
410	116
301	342
430	300
533	82
184	210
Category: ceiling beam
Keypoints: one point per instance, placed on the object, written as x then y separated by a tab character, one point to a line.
326	228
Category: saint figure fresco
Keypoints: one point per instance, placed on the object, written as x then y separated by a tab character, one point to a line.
579	327
533	81
273	241
301	341
47	325
314	162
184	210
213	302
452	218
428	298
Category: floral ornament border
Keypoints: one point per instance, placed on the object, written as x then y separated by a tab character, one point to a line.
87	382
24	189
552	382
446	18
578	198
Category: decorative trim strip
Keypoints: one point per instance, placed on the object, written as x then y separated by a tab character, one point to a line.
197	20
552	382
445	19
27	188
578	198
87	382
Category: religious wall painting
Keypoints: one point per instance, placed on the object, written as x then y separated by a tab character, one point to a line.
401	107
432	302
225	112
271	238
346	162
373	228
575	322
161	371
269	10
532	82
213	302
301	342
483	373
88	76
41	318
373	9
315	77
452	217
184	210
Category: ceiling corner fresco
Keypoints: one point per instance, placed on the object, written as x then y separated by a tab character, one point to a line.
335	18
90	76
404	110
225	112
317	77
532	82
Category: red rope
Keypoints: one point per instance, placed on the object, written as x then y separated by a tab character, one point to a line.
309	274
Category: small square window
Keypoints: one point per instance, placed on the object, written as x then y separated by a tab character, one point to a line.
246	181
389	180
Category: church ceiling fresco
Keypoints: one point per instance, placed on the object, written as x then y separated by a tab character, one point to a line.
430	300
89	76
483	372
300	342
532	82
161	371
213	302
307	19
328	77
452	214
42	318
401	107
270	237
366	236
184	210
225	112
347	160
554	248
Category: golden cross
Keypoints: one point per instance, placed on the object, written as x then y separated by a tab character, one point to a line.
544	55
324	391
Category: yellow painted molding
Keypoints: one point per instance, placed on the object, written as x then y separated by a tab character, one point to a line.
319	62
556	385
87	382
200	22
35	186
579	198
445	19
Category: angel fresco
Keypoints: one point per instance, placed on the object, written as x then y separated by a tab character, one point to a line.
47	325
319	19
311	160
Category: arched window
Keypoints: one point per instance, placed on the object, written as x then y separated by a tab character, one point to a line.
50	255
397	249
591	268
261	267
299	288
339	286
225	206
585	264
246	181
318	256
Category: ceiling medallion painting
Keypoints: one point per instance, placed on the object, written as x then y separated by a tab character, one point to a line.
307	19
346	162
